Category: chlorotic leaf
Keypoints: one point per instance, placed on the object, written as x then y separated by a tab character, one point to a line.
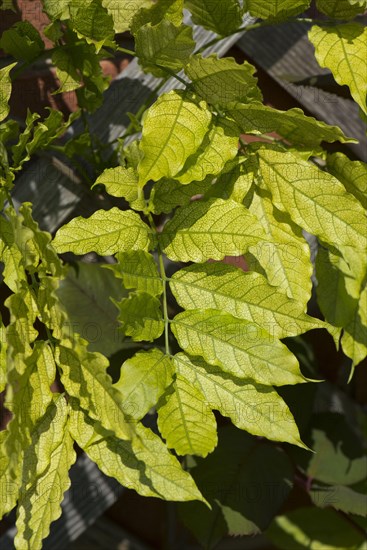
184	421
352	174
341	49
5	90
280	9
173	129
122	182
235	181
293	124
84	376
285	256
219	146
164	45
141	317
215	15
138	270
252	407
167	194
40	498
238	347
210	229
143	464
221	81
341	9
316	201
143	379
104	232
248	296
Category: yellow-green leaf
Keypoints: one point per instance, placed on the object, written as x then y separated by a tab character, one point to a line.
104	232
238	347
342	49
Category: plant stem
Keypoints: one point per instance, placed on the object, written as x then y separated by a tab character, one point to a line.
165	308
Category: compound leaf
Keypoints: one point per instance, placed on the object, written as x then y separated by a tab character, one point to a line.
248	296
221	81
143	379
183	420
341	49
173	129
210	229
239	347
104	232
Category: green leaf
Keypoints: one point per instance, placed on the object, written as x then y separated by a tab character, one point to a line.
252	407
210	229
314	529
219	146
3	348
215	15
167	194
342	300
280	9
245	481
84	376
104	232
164	44
339	456
57	9
85	294
92	22
352	174
223	81
138	270
184	422
122	182
5	90
293	124
143	464
247	296
341	49
341	9
141	317
43	489
22	41
123	12
143	379
285	256
239	347
346	499
316	201
170	10
173	129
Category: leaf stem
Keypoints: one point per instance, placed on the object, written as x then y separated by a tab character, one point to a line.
165	307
